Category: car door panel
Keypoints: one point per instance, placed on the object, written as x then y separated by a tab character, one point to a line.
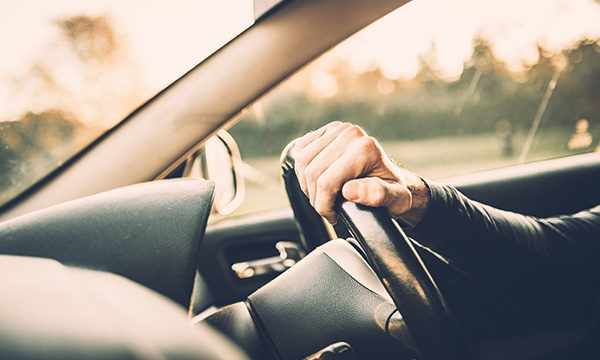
246	239
549	188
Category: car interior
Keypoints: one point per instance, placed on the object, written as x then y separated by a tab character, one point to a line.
114	255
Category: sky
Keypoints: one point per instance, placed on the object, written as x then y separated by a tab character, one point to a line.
26	26
555	24
27	32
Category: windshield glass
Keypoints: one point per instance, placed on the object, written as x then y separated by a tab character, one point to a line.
71	70
447	87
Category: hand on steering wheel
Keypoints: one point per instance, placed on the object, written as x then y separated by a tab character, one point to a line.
344	156
341	158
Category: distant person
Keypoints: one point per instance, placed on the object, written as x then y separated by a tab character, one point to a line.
581	139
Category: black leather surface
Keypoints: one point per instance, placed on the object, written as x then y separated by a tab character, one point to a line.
317	303
149	233
235	322
408	281
572	183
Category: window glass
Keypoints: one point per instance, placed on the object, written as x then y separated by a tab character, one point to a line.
72	69
448	88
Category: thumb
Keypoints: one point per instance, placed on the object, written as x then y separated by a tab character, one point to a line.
376	192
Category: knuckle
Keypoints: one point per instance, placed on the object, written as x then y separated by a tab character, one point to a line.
303	141
300	163
369	143
371	149
341	129
319	208
355	131
310	172
325	186
334	125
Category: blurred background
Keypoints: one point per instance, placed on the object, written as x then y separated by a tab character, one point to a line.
448	87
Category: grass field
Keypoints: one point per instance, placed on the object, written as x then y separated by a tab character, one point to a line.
433	158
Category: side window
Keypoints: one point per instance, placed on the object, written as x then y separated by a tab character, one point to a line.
447	89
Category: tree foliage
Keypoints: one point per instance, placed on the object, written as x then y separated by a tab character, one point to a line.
486	93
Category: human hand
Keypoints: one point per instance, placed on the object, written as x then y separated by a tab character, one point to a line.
341	157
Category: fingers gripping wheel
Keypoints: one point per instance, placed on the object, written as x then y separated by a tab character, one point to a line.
314	232
401	271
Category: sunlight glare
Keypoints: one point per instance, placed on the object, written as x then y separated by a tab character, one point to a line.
163	39
450	27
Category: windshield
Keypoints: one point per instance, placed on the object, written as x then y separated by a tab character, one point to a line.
447	87
72	69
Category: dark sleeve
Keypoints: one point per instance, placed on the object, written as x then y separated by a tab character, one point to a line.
505	247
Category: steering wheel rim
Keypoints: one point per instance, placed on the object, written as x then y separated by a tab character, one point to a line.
312	228
406	278
397	264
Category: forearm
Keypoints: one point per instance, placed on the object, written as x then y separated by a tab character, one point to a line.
503	246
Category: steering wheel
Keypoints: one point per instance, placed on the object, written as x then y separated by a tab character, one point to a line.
396	263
